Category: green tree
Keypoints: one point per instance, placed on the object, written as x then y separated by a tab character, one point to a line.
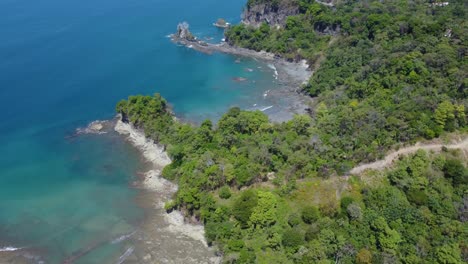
224	192
265	213
455	170
448	254
310	214
243	207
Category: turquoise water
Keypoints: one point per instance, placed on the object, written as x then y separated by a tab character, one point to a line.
66	63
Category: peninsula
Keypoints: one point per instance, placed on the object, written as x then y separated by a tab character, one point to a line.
385	76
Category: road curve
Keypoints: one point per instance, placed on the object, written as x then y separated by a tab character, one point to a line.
388	160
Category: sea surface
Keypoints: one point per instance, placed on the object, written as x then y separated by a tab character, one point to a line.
66	63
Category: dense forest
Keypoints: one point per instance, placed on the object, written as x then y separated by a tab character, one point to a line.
262	193
385	73
390	71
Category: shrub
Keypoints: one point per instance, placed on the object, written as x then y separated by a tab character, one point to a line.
235	245
354	211
455	170
310	214
169	206
292	238
224	192
418	197
243	206
294	219
312	232
345	202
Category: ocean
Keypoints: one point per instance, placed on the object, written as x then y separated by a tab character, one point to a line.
63	64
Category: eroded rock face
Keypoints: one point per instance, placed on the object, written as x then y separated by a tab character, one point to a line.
272	14
183	31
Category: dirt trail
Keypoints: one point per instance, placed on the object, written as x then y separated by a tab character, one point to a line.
381	164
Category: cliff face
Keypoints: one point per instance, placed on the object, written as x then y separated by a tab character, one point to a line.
273	13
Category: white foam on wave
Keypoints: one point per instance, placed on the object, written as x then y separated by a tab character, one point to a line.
9	249
273	67
266	108
125	255
265	94
122	238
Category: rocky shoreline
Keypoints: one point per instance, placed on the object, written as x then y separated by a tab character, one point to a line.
156	238
291	75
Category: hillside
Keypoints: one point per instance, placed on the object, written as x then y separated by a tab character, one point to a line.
387	74
395	72
260	190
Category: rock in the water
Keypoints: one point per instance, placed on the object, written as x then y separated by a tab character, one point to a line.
221	23
96	126
239	79
183	31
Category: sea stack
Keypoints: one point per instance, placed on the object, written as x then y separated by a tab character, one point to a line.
183	32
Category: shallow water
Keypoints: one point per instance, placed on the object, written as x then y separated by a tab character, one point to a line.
66	63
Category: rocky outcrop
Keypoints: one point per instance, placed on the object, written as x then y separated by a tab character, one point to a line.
273	13
183	32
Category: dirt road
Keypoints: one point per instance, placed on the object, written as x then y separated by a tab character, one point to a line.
380	164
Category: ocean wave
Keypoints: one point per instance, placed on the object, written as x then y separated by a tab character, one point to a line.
125	255
273	67
122	238
9	249
266	108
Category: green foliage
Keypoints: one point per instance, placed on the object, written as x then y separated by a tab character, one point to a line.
387	75
224	192
294	219
390	73
310	214
448	254
265	213
455	170
354	211
292	238
345	202
414	217
244	206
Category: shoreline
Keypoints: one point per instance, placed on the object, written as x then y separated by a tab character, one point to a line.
290	75
158	223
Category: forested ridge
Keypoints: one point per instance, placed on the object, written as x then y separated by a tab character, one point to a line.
262	193
394	72
391	72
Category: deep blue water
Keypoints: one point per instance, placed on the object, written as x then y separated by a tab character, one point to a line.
66	63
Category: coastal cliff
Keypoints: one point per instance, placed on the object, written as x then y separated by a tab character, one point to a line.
274	13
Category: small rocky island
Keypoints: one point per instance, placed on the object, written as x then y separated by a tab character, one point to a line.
221	23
